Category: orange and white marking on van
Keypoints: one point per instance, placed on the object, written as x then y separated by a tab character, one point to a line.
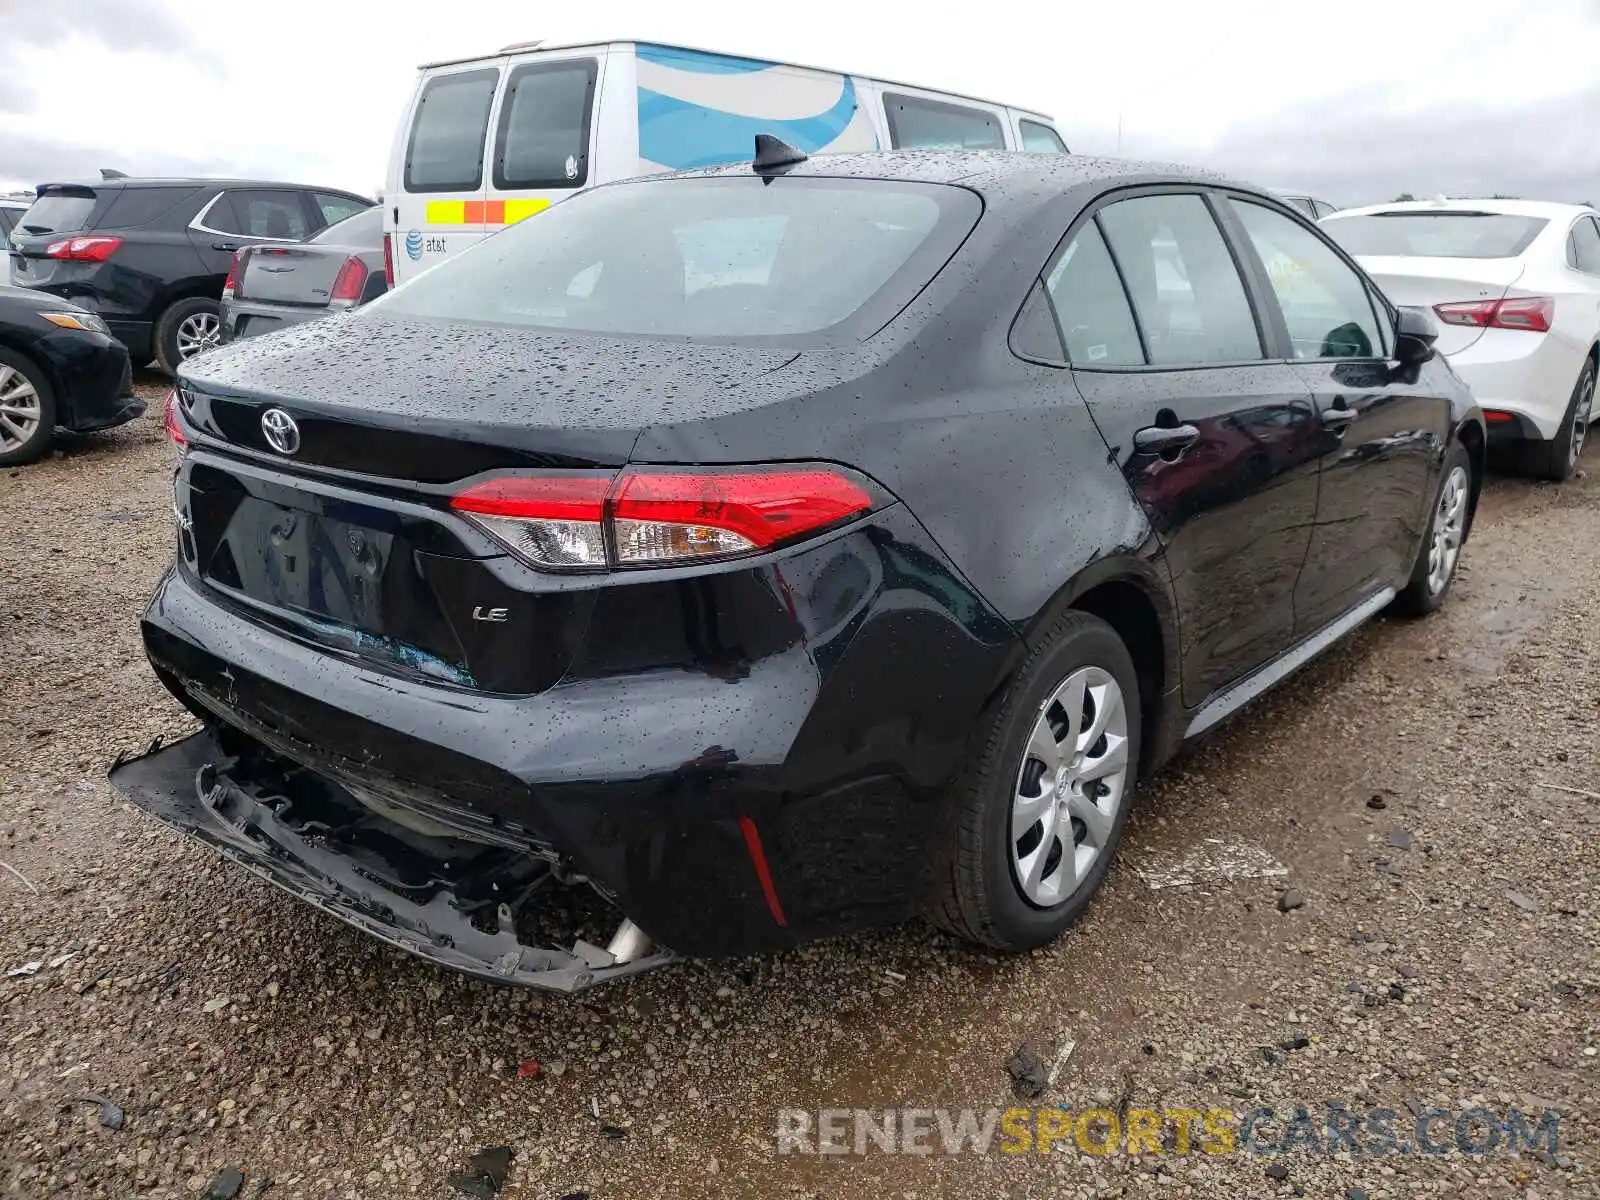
483	212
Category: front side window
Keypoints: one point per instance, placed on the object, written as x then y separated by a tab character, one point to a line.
543	141
919	124
445	150
703	258
1186	289
1091	306
262	214
1040	139
1325	304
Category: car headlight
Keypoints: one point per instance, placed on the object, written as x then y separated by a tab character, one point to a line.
87	322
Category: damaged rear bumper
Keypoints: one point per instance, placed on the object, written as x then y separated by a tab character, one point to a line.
445	899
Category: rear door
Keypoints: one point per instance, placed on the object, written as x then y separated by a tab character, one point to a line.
443	176
1216	441
1382	431
543	140
240	217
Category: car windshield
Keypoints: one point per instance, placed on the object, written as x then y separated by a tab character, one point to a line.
1448	234
365	228
718	258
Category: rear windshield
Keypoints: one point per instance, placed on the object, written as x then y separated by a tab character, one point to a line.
703	258
363	229
57	212
1436	234
445	151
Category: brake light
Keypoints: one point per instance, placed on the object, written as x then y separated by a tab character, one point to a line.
388	258
1497	417
230	285
349	283
171	421
83	249
650	517
1531	314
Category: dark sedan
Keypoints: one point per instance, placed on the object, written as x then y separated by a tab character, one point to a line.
778	550
59	369
270	287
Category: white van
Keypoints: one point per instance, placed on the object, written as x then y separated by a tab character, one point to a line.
489	141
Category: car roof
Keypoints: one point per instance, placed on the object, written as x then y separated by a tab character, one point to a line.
1520	208
999	175
537	47
187	181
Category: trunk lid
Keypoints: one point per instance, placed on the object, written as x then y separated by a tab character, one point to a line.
301	275
1424	282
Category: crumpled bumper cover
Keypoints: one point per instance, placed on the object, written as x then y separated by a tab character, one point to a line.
187	786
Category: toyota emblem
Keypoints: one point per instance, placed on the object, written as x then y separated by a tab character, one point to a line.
282	434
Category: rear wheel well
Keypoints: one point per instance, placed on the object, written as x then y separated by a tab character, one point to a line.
1129	611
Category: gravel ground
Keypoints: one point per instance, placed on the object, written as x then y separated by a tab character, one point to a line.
1444	951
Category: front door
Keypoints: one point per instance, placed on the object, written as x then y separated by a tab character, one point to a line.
1382	433
1217	443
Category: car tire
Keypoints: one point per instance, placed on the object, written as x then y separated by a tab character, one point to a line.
28	405
185	324
1557	458
1449	523
989	884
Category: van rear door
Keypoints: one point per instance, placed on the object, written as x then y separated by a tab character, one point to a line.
544	144
442	177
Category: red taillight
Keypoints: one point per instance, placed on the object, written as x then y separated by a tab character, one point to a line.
172	421
1495	417
349	283
659	517
388	258
230	285
1531	314
83	249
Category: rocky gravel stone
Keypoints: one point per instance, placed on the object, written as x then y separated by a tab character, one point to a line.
341	1069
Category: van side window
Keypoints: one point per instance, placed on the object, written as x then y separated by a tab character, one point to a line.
543	140
445	151
919	124
1040	139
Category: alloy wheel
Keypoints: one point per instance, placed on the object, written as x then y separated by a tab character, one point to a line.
1449	523
1070	786
197	332
20	410
1580	417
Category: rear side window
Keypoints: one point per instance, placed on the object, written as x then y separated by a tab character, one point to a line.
59	212
1186	289
336	208
721	258
543	140
259	213
136	207
1091	306
445	150
919	124
1586	245
1040	139
8	218
1423	234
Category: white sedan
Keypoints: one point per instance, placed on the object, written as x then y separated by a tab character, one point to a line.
1515	285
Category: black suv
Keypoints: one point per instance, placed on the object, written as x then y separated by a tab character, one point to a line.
151	255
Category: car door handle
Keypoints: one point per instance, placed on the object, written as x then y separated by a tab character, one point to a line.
1161	439
228	246
1338	414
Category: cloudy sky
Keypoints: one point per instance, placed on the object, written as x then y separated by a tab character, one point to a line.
1355	100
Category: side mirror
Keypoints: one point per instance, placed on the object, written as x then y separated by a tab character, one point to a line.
1415	332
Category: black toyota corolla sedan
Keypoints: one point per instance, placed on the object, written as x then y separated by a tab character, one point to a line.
772	551
60	368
